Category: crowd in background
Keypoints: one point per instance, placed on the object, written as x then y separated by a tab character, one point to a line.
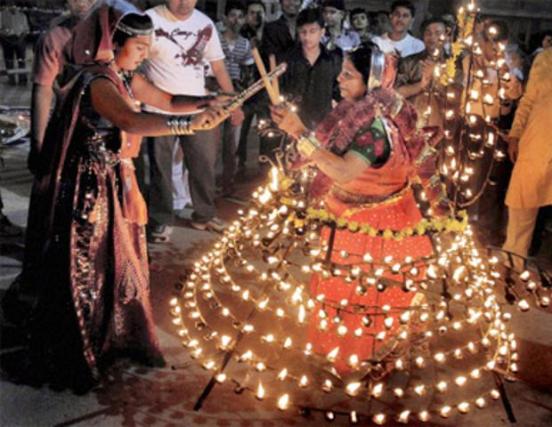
116	75
311	41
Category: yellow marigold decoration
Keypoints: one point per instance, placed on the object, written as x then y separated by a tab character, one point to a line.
466	24
286	183
450	69
341	222
298	223
353	226
287	201
422	228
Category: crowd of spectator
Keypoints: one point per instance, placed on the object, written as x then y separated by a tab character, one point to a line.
194	56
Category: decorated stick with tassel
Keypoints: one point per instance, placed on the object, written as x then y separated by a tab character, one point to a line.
247	93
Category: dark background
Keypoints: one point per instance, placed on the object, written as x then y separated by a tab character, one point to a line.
526	18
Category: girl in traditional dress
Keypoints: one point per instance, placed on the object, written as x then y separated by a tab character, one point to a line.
87	252
364	151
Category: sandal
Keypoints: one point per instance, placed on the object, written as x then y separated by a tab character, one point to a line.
160	234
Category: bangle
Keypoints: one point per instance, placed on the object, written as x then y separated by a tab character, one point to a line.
180	125
307	144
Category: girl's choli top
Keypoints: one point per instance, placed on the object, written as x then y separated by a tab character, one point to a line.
101	141
103	148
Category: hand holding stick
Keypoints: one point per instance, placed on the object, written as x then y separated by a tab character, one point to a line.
288	120
218	114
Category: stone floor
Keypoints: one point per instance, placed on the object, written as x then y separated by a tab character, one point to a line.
134	396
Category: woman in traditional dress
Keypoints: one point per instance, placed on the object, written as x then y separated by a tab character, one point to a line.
364	151
87	215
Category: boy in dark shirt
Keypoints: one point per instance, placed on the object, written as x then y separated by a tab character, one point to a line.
311	79
279	35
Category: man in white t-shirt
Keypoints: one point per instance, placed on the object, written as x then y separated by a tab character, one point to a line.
184	40
398	39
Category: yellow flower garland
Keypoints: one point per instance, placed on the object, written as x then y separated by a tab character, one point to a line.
466	24
424	227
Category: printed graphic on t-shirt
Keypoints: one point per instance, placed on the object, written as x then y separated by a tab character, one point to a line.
194	54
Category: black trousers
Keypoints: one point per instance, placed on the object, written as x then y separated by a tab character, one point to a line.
14	49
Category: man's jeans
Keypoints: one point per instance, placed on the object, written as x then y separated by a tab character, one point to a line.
230	136
200	155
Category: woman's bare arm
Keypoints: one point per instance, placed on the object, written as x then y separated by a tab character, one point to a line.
108	102
340	169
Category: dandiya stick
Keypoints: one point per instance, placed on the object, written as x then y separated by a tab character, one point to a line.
238	100
275	83
272	94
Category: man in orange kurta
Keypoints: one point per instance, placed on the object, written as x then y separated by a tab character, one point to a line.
530	147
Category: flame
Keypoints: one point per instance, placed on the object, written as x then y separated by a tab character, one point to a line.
274	179
283	402
353	388
283	374
260	391
302	314
225	340
332	355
